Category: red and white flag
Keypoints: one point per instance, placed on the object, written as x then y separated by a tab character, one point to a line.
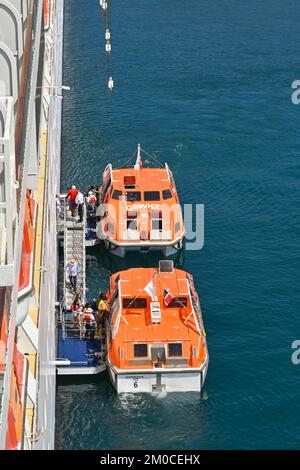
150	290
168	297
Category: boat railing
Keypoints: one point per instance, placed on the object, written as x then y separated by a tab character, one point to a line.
168	172
195	308
66	321
115	327
72	328
73	235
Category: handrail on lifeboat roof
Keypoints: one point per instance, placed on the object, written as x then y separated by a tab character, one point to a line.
109	167
168	172
118	320
196	318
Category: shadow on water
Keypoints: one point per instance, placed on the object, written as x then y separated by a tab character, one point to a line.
114	263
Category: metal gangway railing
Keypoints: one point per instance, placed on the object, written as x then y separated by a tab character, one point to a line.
74	248
70	327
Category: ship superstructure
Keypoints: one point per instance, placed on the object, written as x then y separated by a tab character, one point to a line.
31	43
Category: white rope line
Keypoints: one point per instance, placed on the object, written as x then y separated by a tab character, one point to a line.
153	158
129	160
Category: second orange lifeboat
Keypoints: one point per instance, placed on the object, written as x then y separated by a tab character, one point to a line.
155	335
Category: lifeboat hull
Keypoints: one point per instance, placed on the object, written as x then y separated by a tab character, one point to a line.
122	249
158	381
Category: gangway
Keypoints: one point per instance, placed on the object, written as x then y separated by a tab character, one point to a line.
77	352
74	248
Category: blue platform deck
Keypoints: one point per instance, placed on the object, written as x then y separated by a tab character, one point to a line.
78	352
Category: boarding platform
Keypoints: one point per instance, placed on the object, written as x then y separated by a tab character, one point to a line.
80	350
77	353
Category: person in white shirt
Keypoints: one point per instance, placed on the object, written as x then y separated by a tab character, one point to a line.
72	269
79	200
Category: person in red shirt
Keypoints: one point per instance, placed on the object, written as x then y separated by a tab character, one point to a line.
71	199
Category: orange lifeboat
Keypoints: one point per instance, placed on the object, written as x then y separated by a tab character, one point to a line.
15	423
155	335
140	210
27	260
46	15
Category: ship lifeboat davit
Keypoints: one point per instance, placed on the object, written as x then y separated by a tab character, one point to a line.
26	286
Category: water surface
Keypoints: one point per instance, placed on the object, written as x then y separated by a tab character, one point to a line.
205	86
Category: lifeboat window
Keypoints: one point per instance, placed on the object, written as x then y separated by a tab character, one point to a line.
140	350
156	224
135	303
179	302
117	194
167	194
177	227
152	196
129	182
174	349
132	220
156	220
158	353
133	196
132	224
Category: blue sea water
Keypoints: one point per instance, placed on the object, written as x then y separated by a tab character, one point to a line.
206	86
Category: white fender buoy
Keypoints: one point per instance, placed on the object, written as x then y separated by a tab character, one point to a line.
107	35
103	4
108	46
110	83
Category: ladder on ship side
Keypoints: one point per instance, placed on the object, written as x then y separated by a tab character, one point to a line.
74	248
